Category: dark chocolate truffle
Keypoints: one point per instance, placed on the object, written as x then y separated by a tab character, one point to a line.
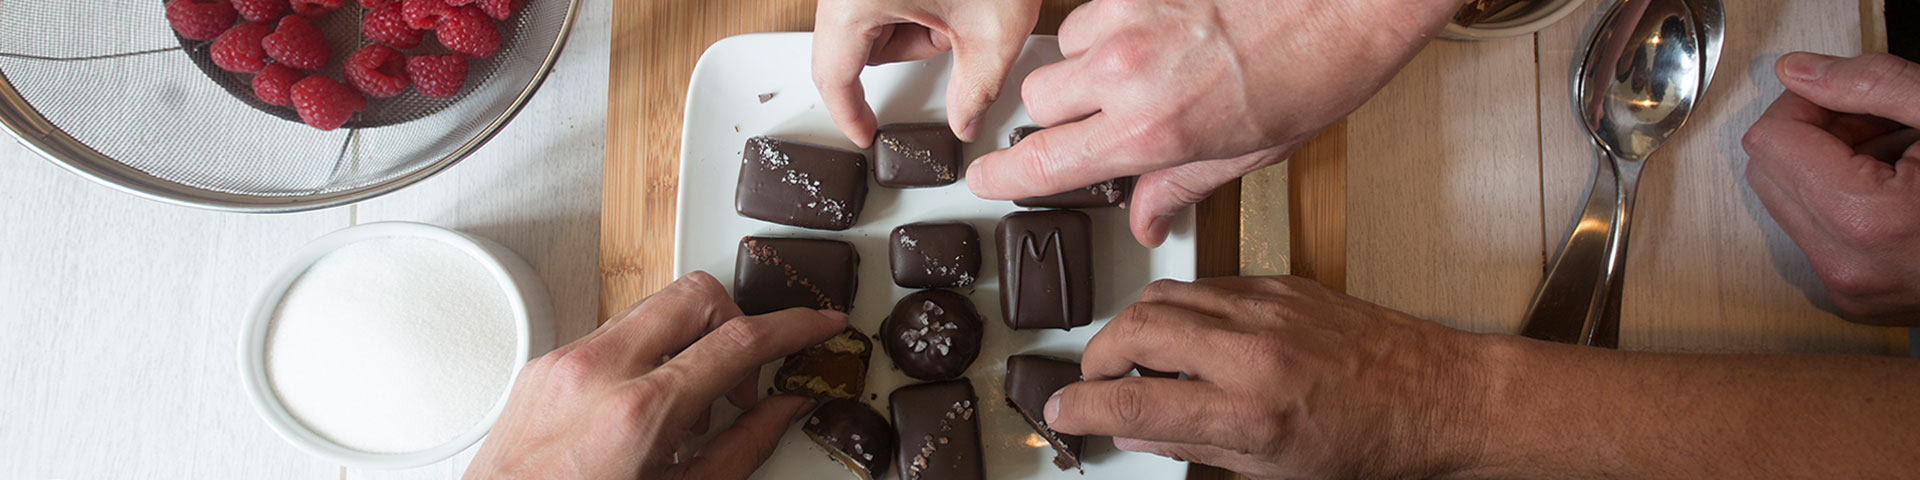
802	185
1110	193
1031	381
916	155
939	438
774	273
934	255
836	368
1046	269
854	434
932	334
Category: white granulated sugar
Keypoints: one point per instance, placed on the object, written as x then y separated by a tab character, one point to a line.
392	345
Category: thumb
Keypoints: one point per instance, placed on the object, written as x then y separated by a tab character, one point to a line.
1159	195
979	71
738	451
1875	84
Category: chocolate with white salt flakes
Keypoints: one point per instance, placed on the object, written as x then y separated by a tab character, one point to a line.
932	334
802	185
908	155
777	273
939	438
934	255
836	368
1031	381
855	435
1110	193
1046	269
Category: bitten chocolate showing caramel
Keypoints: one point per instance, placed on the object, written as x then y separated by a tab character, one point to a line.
934	255
1031	381
836	368
932	334
775	273
910	155
802	185
939	438
853	434
1046	269
1110	193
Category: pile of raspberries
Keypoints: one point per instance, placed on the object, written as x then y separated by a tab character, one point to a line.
276	42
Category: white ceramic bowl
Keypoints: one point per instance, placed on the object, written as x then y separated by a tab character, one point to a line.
1534	18
526	297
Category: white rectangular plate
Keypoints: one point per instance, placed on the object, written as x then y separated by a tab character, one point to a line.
724	109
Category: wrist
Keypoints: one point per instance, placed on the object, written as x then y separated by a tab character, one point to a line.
1472	386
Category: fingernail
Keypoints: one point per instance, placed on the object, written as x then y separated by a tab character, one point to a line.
805	409
1158	229
1806	66
971	131
834	314
1053	408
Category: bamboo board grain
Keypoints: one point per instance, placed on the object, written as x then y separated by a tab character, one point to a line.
655	47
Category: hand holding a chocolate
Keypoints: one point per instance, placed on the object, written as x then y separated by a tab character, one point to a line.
1285	379
1192	94
985	37
1833	161
619	402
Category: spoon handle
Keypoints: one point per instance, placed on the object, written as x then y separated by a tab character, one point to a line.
1606	331
1565	307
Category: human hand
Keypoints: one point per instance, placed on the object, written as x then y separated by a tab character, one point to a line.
985	37
1836	163
1286	379
1191	94
613	405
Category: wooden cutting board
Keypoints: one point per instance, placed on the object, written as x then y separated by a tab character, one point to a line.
655	47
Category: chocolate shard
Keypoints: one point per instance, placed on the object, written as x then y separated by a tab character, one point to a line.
939	438
836	368
855	435
802	185
1110	193
1046	269
932	334
1031	381
908	155
934	255
777	273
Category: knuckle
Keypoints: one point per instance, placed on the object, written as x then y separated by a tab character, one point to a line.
1849	281
632	406
1162	288
1040	169
1128	402
1122	59
741	335
575	370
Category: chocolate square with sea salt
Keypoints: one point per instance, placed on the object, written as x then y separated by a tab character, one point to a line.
934	255
802	185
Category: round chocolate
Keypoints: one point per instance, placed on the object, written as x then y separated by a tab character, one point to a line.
932	334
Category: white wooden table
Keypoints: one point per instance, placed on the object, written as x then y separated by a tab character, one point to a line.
119	317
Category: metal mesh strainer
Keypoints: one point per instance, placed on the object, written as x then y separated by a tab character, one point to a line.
105	89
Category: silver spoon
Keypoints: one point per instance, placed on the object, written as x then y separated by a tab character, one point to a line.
1635	87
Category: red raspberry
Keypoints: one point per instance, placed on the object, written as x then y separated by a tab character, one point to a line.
261	10
389	26
468	31
424	14
239	49
271	85
378	70
324	103
373	4
200	19
459	3
437	76
298	44
501	9
317	8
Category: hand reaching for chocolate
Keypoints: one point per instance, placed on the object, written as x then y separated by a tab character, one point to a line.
1834	160
613	405
1286	379
985	37
1192	94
